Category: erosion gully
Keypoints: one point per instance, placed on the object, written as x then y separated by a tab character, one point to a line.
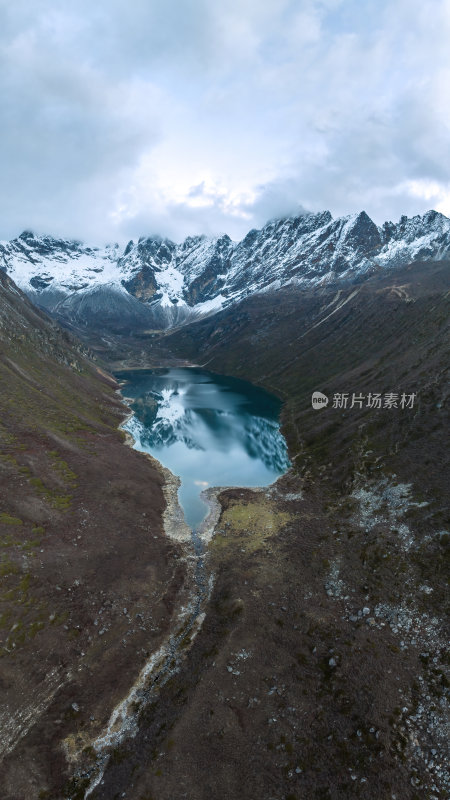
123	723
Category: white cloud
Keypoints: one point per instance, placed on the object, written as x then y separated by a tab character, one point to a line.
189	116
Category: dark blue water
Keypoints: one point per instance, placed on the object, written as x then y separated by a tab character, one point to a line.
207	429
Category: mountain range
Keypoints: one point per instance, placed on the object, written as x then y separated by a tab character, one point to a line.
154	283
319	663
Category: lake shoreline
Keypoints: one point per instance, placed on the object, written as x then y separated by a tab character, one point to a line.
212	432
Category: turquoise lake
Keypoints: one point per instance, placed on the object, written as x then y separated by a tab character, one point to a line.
208	429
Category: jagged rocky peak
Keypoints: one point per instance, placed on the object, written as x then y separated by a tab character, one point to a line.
250	238
387	232
206	276
201	260
411	228
36	246
150	251
47	244
364	231
26	236
360	236
191	242
306	222
419	238
159	250
279	228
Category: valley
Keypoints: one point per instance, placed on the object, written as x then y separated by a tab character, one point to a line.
330	586
308	659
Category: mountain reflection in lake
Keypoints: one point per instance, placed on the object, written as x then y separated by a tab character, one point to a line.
207	429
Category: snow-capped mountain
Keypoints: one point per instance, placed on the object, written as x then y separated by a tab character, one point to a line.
155	283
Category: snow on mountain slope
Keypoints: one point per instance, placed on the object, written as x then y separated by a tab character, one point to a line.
157	283
425	238
69	265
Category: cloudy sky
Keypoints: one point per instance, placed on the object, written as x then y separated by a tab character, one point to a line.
123	118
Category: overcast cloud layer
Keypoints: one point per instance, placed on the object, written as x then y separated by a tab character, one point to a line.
126	118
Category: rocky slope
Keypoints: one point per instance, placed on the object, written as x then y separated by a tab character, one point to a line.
90	585
156	283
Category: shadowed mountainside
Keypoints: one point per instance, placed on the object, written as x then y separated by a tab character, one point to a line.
389	334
